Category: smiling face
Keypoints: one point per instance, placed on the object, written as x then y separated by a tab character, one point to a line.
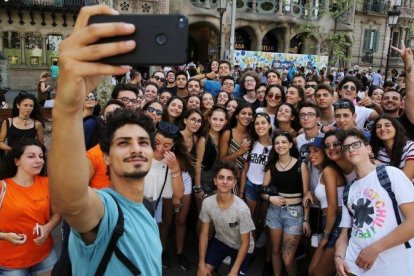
154	111
284	114
217	120
231	107
348	91
260	93
262	126
391	102
250	83
377	95
357	152
193	122
384	130
332	147
316	156
130	154
165	97
282	145
225	181
308	118
224	70
193	88
90	101
150	93
193	102
344	118
222	98
162	145
207	101
175	108
272	78
214	66
31	162
228	86
25	108
245	116
274	97
292	96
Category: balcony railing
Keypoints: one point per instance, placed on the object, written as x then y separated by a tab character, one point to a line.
55	4
376	6
406	12
281	7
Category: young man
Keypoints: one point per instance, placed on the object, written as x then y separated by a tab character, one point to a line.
324	96
126	93
308	116
181	81
194	87
392	102
310	88
232	223
377	242
128	149
228	84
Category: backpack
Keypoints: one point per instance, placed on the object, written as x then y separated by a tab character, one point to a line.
64	267
386	184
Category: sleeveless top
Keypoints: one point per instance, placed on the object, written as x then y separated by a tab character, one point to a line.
320	193
14	134
41	96
210	154
287	182
233	147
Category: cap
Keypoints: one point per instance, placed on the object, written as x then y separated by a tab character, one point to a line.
315	142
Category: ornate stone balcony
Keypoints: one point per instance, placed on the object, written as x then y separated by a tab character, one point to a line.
376	6
56	5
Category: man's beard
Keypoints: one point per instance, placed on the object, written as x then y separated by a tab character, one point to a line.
136	175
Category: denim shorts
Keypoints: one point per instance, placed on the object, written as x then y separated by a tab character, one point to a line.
218	251
42	267
335	231
252	191
288	218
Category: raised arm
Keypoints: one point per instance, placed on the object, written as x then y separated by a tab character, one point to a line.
68	170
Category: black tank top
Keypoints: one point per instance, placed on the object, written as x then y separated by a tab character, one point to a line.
287	182
14	134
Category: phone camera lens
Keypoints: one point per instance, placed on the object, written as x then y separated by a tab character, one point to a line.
181	23
161	39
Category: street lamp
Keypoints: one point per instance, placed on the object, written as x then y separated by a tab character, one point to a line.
222	7
392	21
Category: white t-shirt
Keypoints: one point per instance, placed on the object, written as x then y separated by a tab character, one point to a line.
374	219
362	115
154	181
257	161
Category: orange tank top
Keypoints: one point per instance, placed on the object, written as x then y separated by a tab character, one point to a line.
22	208
100	179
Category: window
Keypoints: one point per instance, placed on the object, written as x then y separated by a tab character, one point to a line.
11	47
371	40
33	51
52	47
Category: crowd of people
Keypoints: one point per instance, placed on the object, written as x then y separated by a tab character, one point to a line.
307	160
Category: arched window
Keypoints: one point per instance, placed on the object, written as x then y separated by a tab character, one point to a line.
33	51
11	47
52	47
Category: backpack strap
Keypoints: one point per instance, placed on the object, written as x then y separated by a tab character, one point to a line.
112	247
386	184
345	198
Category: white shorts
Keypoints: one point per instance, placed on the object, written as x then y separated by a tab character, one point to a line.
187	183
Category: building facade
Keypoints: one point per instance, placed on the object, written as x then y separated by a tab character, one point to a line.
30	30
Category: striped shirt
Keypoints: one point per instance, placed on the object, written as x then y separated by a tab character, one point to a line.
407	154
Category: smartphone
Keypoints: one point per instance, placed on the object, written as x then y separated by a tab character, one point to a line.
160	39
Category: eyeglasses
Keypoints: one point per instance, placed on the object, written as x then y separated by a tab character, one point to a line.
228	84
126	100
311	86
159	78
250	80
349	87
341	104
332	145
270	95
354	145
90	98
309	115
167	127
195	121
150	109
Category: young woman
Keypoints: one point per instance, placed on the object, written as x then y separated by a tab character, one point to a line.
150	92
375	93
207	103
26	121
154	110
328	192
194	102
165	96
192	121
175	108
235	142
253	171
295	95
231	107
26	216
43	88
274	96
90	123
222	99
391	146
283	187
287	119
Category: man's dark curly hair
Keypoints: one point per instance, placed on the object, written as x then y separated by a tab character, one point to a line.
121	117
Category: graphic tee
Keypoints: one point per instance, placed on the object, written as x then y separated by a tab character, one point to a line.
373	219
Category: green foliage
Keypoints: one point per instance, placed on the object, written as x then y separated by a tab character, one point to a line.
411	29
338	7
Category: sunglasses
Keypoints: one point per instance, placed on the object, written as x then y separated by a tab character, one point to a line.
150	109
159	78
332	145
275	96
341	104
349	87
261	114
167	127
311	86
354	145
90	98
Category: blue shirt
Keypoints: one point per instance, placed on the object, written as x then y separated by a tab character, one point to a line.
140	242
214	87
54	70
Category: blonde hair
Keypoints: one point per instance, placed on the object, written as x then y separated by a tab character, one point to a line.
44	73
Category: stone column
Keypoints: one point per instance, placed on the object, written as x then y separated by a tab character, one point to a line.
286	40
44	55
403	36
1	41
22	48
259	41
254	6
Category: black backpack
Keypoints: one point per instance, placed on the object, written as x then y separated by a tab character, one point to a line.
385	182
64	266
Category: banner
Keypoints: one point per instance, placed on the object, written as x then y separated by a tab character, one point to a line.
253	59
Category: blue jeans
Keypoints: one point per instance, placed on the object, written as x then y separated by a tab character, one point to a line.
252	191
42	267
288	218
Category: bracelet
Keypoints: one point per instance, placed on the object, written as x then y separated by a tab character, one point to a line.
268	198
177	171
338	256
197	189
205	75
175	175
306	219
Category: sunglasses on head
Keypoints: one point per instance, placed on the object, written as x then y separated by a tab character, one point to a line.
341	105
151	109
167	127
159	78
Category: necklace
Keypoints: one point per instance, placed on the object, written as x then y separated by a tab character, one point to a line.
23	119
284	168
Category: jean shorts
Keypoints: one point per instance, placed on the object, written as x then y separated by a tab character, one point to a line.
44	266
252	191
288	218
335	231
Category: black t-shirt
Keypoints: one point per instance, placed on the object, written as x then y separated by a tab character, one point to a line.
173	90
409	126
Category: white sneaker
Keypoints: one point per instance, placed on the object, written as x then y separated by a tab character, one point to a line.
227	260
